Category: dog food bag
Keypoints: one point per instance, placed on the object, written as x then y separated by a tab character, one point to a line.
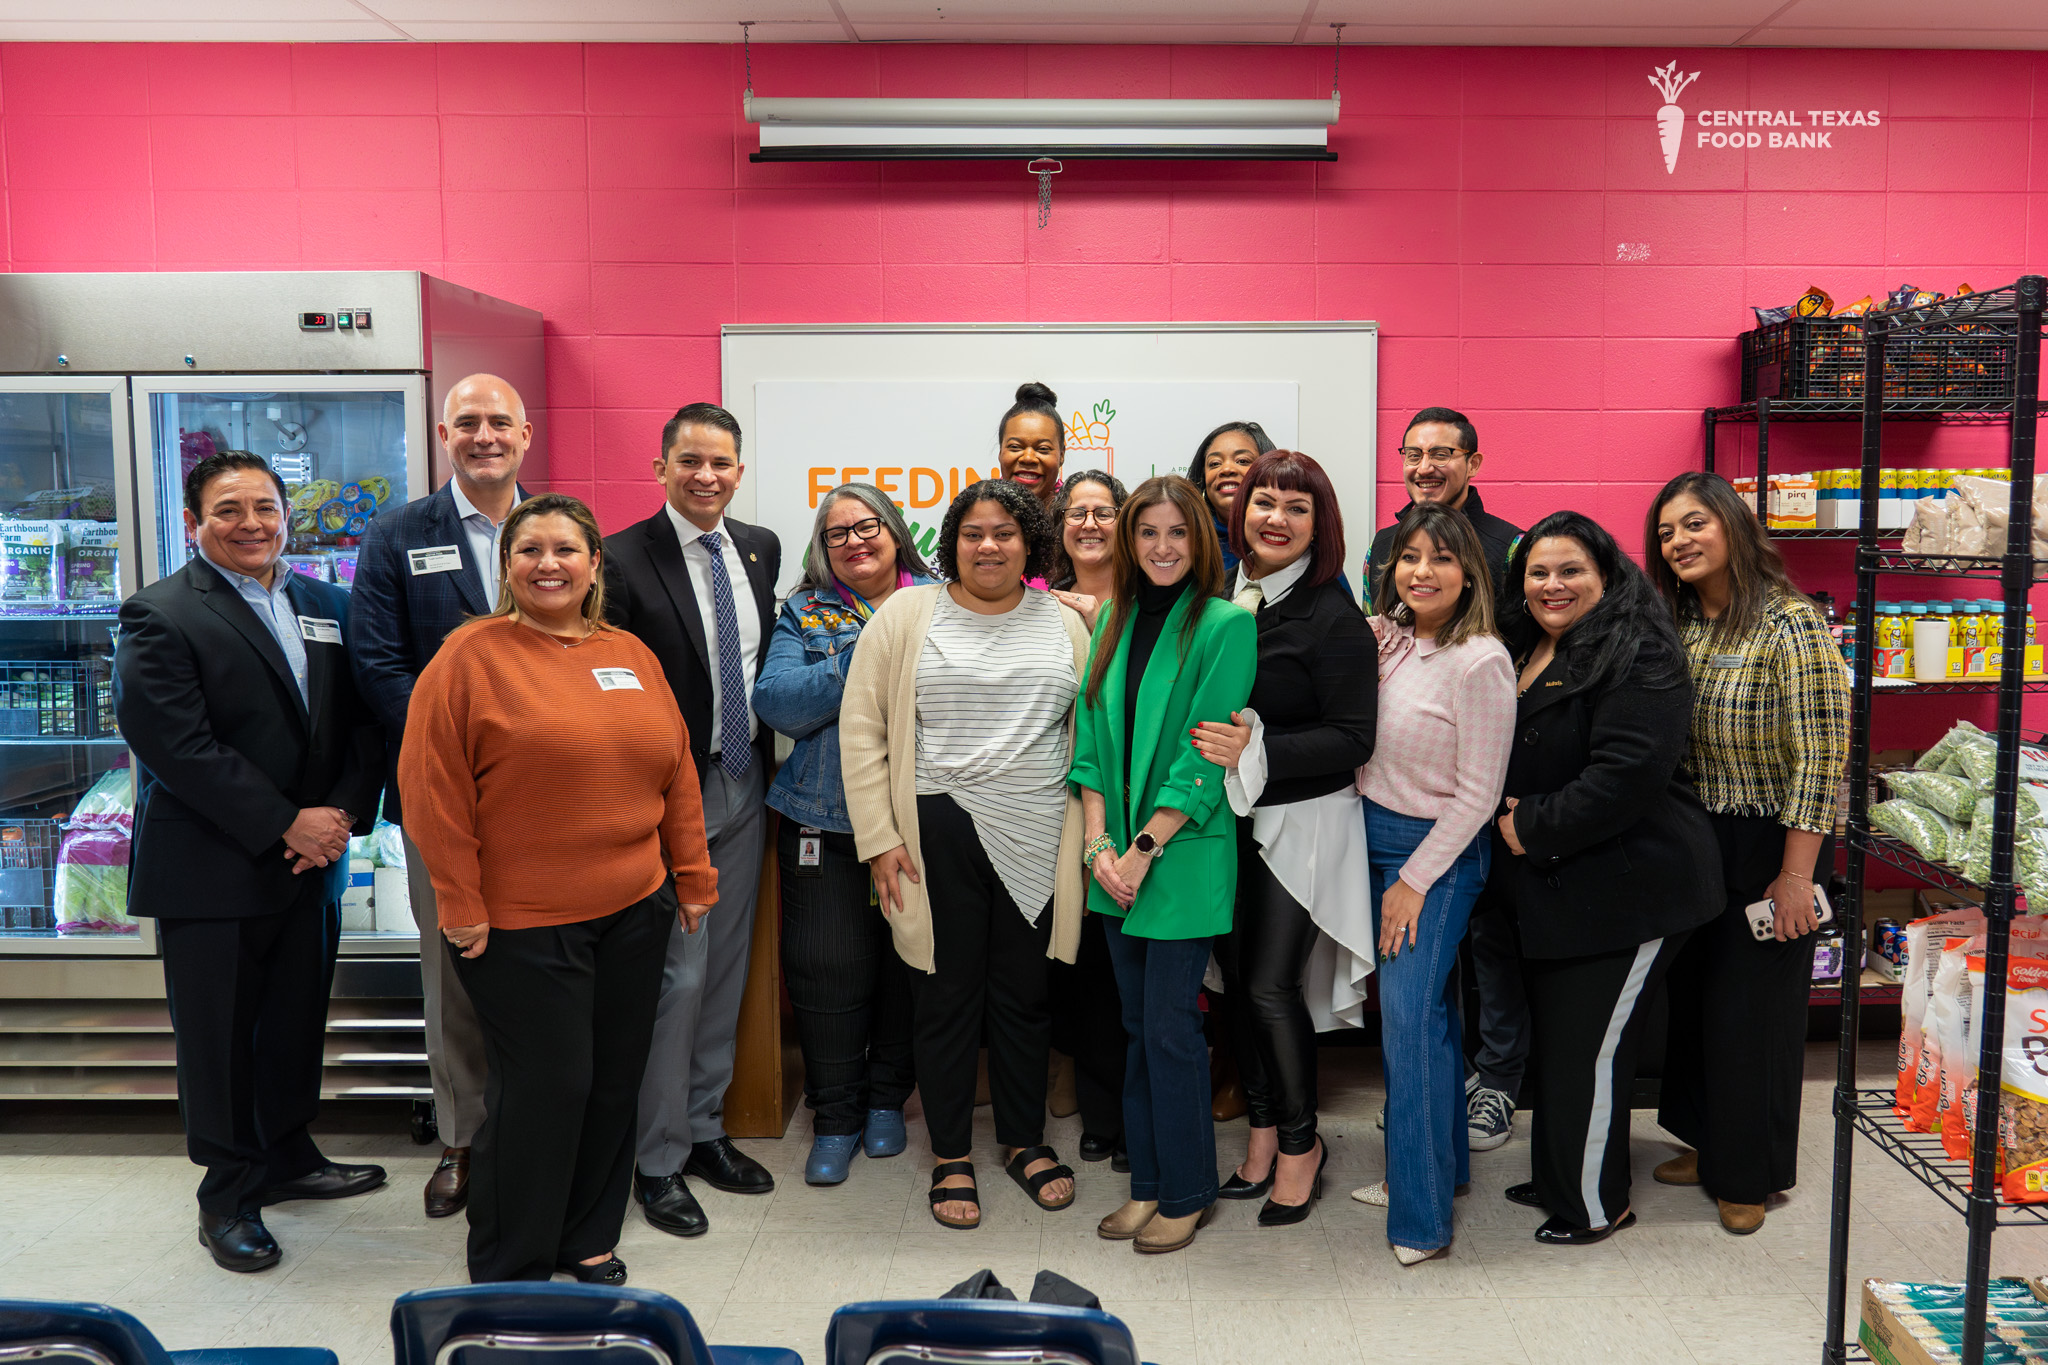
1924	941
1927	832
2023	1091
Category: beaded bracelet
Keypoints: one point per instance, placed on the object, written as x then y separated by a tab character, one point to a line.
1097	846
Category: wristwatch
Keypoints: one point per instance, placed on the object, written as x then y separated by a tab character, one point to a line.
1148	845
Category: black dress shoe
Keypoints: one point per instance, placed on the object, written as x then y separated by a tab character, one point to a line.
1120	1159
1558	1233
723	1166
238	1241
1274	1214
669	1205
1237	1187
1525	1195
612	1271
1096	1148
331	1181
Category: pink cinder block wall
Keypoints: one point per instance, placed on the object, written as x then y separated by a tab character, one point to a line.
1506	215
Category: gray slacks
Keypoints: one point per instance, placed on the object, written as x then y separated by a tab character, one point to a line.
682	1097
455	1041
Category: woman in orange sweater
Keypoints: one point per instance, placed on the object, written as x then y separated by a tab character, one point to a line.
549	784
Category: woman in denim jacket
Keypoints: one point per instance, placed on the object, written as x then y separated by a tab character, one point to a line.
846	983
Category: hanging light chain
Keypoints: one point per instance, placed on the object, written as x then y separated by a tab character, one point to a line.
1045	172
1337	66
747	46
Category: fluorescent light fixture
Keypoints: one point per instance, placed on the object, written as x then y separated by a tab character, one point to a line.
988	130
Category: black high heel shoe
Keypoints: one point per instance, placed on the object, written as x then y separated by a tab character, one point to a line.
612	1272
1280	1215
1237	1187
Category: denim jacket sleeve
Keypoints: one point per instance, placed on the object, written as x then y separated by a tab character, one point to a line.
795	693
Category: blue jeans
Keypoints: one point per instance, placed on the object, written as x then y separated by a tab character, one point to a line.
1421	1040
1167	1127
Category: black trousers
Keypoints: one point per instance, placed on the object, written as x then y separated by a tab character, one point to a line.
1263	957
1088	1025
850	991
248	1000
991	967
1587	1015
1737	1047
568	1016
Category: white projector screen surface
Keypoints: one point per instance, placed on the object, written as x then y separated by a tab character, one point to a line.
913	408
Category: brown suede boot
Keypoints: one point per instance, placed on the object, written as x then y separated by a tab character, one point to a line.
1683	1169
1128	1221
1741	1219
1171	1234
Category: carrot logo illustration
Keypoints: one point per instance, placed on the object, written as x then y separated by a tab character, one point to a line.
1671	119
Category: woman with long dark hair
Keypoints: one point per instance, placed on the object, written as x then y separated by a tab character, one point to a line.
1770	733
1291	762
1168	655
1604	848
1218	470
847	987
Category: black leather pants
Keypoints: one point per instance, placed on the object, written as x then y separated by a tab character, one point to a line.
1262	959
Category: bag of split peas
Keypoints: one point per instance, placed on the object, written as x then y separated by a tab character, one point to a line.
2023	1098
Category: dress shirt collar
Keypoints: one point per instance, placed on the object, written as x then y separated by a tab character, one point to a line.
464	508
686	530
1277	584
280	578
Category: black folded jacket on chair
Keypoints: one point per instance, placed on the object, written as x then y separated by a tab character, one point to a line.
1047	1288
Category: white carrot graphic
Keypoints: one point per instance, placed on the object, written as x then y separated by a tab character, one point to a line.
1671	118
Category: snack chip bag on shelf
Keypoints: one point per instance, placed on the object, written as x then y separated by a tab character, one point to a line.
1947	1002
1955	797
1856	309
1927	832
2023	1088
1924	940
1767	317
1814	303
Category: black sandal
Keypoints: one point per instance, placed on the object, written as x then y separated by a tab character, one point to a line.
611	1271
1032	1184
964	1194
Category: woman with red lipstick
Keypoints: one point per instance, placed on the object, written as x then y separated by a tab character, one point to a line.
1031	442
1607	854
1218	470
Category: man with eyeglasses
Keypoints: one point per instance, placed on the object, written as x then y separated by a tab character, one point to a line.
1439	456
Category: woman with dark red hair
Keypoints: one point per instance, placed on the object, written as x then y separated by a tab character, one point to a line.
1291	759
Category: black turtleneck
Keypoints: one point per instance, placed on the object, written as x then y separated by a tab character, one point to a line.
1153	605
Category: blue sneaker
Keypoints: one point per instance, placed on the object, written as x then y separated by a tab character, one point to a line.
885	1135
831	1154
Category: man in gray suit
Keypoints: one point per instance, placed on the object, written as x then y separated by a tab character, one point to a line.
698	588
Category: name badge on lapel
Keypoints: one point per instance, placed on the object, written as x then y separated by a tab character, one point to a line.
435	559
612	679
1724	661
319	630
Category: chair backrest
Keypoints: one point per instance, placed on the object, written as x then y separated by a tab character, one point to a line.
976	1332
535	1323
47	1332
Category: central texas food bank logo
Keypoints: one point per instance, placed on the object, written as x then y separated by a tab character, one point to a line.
1803	129
1671	118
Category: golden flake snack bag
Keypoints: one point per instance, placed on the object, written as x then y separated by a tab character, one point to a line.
2023	1093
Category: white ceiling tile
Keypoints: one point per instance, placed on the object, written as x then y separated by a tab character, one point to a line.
1107	31
1081	13
577	31
603	13
1526	14
1944	37
1896	15
273	13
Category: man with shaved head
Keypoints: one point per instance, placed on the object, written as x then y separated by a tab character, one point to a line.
423	570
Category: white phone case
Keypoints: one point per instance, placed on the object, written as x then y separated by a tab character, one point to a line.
1763	914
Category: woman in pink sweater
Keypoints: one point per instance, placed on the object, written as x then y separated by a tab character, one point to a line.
1446	716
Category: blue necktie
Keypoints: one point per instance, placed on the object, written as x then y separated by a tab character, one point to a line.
736	751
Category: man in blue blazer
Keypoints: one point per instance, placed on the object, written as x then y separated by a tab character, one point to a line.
255	761
423	570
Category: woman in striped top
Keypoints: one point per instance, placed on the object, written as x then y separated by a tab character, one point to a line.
955	732
1446	719
1770	733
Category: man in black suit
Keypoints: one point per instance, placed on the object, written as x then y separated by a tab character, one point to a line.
257	759
424	569
698	588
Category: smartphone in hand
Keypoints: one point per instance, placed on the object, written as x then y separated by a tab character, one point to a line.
1763	914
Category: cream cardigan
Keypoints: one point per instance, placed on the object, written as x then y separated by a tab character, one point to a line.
878	758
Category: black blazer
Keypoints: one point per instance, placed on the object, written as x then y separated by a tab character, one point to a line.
1317	691
228	753
1619	849
647	591
402	617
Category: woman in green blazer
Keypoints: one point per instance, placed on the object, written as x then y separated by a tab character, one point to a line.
1167	655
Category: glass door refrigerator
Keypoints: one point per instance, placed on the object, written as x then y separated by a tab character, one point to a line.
112	387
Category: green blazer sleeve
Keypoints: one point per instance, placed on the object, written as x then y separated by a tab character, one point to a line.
1225	658
1091	757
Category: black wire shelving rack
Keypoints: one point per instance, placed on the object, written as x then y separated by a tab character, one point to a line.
1968	1187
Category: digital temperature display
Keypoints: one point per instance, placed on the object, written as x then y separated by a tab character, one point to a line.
315	322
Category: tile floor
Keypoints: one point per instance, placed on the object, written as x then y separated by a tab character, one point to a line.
103	1210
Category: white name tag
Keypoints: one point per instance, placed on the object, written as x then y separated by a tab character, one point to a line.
435	559
809	844
612	679
1724	661
319	630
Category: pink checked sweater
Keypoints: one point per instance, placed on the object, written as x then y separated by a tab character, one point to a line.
1446	718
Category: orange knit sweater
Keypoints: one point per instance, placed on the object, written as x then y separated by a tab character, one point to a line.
547	783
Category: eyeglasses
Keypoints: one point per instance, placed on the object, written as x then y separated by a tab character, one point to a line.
1081	516
863	530
1413	455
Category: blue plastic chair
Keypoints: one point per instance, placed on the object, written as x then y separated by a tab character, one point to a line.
976	1332
543	1323
96	1334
